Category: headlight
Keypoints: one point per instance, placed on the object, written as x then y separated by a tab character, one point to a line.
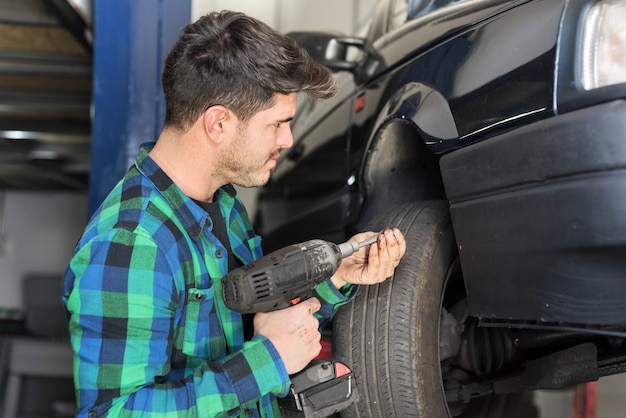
603	56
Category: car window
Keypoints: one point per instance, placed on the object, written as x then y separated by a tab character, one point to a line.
387	16
390	14
397	14
417	8
377	27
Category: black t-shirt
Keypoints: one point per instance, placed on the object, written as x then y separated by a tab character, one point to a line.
219	230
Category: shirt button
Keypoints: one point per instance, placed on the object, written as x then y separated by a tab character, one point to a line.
248	413
199	296
219	253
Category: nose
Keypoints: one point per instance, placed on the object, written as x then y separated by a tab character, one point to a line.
285	137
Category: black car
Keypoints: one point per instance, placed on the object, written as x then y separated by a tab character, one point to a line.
493	133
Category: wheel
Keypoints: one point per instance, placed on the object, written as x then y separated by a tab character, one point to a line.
392	332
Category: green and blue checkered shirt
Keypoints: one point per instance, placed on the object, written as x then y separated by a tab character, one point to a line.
150	331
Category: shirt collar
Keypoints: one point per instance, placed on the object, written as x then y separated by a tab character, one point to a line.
192	216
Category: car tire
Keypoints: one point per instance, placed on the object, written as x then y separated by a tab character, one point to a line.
389	334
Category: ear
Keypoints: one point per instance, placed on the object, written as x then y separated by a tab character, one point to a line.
213	121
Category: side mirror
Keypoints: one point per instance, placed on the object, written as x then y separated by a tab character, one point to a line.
341	53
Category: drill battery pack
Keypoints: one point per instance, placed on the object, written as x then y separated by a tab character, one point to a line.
322	389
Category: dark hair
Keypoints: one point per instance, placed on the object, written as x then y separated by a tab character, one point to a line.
234	60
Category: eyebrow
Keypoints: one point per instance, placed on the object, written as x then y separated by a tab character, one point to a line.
289	119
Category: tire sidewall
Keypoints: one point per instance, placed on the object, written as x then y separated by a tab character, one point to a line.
405	342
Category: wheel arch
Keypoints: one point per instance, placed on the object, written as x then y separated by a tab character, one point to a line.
400	164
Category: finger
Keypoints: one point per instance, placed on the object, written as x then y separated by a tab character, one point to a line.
396	248
302	319
309	332
384	255
315	338
373	257
400	243
310	327
388	255
377	261
311	322
310	306
393	243
316	348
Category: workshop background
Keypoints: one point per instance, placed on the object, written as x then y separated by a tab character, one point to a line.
45	160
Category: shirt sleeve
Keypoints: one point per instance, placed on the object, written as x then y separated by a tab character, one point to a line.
123	302
332	298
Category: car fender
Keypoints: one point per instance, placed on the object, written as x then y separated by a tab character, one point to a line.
399	166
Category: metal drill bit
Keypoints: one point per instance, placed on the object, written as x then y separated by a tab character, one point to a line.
349	248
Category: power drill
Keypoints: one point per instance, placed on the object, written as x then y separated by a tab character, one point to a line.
286	276
279	280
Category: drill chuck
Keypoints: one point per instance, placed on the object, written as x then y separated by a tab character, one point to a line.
348	248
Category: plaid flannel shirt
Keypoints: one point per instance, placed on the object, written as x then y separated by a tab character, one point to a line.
150	331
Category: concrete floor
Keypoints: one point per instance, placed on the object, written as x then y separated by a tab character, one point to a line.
611	400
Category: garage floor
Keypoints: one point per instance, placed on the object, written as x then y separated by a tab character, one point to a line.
610	403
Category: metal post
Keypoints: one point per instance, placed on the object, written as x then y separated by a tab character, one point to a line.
131	40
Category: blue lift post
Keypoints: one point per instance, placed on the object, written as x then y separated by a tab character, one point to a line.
131	41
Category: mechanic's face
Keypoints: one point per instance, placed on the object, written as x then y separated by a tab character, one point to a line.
249	158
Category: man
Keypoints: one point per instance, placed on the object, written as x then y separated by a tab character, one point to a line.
151	334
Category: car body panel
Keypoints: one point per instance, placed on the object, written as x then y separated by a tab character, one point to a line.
540	228
485	87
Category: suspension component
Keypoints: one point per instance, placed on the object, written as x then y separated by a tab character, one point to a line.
485	350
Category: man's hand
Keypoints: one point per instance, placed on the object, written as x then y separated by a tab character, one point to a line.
372	264
293	331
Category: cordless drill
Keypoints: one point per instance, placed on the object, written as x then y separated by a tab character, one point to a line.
279	280
286	276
